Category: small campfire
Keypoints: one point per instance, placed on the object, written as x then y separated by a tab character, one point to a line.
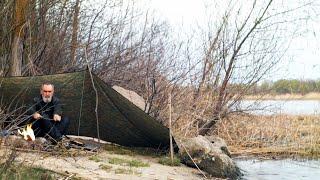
44	145
27	133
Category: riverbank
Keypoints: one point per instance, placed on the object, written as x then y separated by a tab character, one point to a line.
111	162
309	96
274	136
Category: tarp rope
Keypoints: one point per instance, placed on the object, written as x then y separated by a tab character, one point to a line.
96	92
81	104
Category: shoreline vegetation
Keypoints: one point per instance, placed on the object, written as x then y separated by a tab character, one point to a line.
276	136
254	136
288	96
273	136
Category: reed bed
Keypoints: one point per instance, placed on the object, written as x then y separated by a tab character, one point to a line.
275	135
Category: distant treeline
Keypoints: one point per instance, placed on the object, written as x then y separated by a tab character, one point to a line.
287	86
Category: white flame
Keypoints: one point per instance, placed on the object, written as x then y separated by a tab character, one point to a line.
27	133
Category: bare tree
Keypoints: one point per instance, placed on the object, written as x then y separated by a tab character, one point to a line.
245	47
239	47
18	35
74	40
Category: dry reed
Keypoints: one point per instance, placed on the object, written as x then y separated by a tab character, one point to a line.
279	134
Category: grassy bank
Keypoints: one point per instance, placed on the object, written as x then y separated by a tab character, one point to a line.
309	96
276	136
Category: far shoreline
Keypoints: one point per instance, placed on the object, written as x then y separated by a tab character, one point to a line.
308	96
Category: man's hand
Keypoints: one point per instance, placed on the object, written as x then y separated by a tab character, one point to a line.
36	116
56	117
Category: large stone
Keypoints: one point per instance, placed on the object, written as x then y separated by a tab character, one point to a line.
210	154
219	143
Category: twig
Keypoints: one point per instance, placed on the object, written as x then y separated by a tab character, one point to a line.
30	150
69	177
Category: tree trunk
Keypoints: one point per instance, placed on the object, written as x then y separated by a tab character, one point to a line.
16	53
74	40
17	40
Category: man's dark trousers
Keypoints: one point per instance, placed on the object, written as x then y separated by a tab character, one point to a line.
55	129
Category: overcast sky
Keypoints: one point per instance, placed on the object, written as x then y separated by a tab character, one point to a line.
301	62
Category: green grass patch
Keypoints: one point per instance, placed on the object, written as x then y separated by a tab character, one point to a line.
105	167
126	171
136	163
167	161
116	149
25	172
131	163
95	158
123	171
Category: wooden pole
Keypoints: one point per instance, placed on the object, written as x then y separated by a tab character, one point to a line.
170	131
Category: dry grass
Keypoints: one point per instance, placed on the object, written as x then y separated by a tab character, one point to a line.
280	135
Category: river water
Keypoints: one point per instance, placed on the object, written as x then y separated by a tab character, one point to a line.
285	169
282	169
292	107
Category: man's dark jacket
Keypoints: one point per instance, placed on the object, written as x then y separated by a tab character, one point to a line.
46	110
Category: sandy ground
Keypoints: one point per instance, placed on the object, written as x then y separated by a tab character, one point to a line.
82	167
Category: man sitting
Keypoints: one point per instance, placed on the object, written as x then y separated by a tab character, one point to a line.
47	114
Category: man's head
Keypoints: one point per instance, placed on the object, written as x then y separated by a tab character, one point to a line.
46	91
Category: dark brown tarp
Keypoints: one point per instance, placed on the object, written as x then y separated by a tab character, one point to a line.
119	120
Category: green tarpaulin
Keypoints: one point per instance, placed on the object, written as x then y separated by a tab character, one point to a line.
119	120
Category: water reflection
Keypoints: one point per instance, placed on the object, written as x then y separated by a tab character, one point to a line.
280	169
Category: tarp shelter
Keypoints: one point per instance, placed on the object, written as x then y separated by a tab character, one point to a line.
119	120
